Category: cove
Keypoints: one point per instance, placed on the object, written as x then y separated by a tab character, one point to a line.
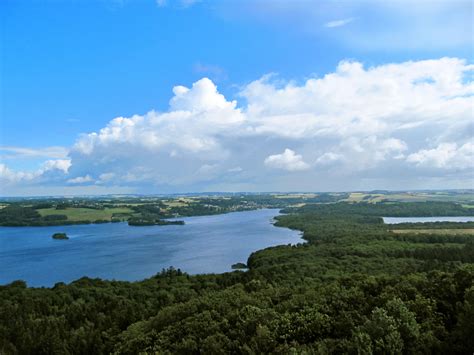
205	244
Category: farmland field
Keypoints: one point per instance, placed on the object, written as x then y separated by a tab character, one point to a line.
85	214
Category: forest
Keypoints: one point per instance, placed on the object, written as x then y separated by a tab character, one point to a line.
352	287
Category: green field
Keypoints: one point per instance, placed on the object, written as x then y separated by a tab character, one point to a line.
177	203
85	214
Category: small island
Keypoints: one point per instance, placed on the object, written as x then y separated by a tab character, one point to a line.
61	236
238	266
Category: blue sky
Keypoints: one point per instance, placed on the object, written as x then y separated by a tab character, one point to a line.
70	67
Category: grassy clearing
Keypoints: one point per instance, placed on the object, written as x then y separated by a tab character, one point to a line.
434	231
363	197
176	203
85	214
377	198
356	197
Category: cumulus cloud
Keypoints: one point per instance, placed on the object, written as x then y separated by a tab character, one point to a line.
196	116
359	101
288	160
445	156
362	122
58	164
8	176
49	170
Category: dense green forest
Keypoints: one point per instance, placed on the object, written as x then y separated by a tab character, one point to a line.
353	287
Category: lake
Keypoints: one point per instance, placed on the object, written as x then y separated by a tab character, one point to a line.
205	244
397	220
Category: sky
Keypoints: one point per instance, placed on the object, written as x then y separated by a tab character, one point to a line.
174	96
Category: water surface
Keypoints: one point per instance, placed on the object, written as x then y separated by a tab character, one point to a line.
397	220
206	244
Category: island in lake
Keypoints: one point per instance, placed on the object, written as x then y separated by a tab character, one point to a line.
60	236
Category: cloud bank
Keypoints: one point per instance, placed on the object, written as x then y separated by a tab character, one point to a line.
400	125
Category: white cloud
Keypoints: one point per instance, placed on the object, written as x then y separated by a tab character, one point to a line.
358	101
204	97
59	164
196	115
328	158
288	160
80	179
50	169
445	156
338	23
8	176
355	122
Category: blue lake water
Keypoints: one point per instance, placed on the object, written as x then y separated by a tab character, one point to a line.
397	220
206	244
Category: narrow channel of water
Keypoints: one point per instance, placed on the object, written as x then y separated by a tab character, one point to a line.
398	220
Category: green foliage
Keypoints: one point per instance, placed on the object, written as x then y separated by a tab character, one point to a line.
354	287
16	215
